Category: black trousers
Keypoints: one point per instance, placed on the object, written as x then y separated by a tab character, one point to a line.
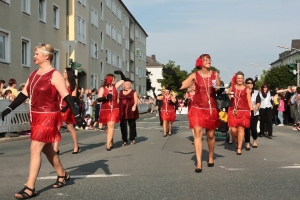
252	128
160	119
265	117
132	129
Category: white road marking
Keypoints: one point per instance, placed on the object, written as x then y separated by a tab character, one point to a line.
231	169
85	176
291	167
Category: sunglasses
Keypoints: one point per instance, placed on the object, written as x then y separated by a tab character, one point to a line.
44	45
249	83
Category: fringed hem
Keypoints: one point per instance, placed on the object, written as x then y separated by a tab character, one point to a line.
68	117
45	126
242	119
203	118
169	116
108	115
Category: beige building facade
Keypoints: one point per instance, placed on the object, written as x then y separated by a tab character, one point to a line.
100	35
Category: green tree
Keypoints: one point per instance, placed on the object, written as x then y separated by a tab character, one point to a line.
168	79
279	77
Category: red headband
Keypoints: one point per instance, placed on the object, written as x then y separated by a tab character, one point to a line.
199	63
109	80
233	80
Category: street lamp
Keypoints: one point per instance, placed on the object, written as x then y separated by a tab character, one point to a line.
258	65
288	48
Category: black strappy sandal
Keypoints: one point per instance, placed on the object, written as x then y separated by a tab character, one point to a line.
59	184
25	195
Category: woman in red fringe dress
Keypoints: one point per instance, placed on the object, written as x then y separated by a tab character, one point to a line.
167	111
109	114
203	113
66	113
240	112
43	88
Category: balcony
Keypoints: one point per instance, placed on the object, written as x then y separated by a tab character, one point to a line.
131	36
131	56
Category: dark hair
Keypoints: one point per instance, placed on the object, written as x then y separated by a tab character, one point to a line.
249	79
7	92
298	90
71	78
21	87
264	85
2	81
205	55
94	90
12	81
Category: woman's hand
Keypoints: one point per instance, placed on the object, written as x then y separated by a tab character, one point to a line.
133	108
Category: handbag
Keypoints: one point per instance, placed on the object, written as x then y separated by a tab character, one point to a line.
223	101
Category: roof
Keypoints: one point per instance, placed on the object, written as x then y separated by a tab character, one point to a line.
151	61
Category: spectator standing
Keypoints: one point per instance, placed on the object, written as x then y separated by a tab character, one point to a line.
12	86
281	109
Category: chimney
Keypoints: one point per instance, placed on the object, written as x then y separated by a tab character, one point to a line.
153	57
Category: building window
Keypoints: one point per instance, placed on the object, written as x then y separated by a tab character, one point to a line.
42	10
25	6
101	41
94	49
108	4
119	38
127	43
114	7
6	1
114	33
101	10
81	30
55	17
119	13
94	17
55	61
82	2
108	28
127	65
101	70
108	56
127	22
25	52
94	80
4	46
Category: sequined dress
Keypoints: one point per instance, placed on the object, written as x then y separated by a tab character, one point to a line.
125	106
67	116
167	110
44	113
203	110
240	103
110	108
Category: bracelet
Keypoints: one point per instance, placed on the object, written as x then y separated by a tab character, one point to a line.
9	108
77	116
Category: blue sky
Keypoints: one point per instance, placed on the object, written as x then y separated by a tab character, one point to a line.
235	33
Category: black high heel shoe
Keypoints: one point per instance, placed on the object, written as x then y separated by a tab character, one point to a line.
76	152
198	170
237	152
59	184
210	164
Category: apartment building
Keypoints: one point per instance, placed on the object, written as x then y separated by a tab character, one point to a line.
101	36
108	38
25	24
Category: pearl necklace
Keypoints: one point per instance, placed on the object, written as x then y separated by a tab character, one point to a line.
32	88
207	89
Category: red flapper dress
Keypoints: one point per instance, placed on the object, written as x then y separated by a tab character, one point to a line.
125	106
167	110
67	116
202	113
240	103
110	108
44	110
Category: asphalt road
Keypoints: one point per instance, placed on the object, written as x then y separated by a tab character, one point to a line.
159	167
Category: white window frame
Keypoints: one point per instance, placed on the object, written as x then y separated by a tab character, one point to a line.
6	1
44	9
94	80
114	7
108	56
81	30
56	59
94	49
114	33
56	16
127	22
127	43
94	17
119	13
101	41
101	10
127	65
7	45
108	4
108	28
102	70
27	52
25	6
82	2
124	52
119	38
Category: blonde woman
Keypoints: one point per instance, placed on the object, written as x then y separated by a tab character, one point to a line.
42	88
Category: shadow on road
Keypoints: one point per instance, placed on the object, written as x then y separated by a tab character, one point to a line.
84	147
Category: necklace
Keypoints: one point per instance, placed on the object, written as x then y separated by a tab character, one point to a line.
32	88
207	89
236	101
110	101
